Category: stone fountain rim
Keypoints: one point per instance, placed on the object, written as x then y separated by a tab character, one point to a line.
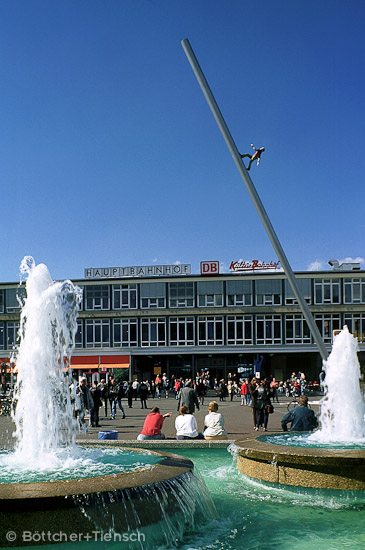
261	450
170	466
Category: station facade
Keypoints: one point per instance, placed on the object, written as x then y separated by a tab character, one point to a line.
145	320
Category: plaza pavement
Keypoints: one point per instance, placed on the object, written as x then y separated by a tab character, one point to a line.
238	420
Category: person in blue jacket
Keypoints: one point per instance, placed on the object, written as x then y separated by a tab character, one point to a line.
302	418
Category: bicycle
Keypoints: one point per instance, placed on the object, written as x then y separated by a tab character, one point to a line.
294	402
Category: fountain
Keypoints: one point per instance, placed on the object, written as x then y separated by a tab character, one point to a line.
48	485
333	457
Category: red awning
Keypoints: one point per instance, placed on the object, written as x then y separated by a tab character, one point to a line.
99	362
114	362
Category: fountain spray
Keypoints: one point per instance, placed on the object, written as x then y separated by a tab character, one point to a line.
43	412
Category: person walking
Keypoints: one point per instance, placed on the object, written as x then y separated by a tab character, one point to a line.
188	397
83	402
114	398
243	393
262	402
143	393
94	412
104	395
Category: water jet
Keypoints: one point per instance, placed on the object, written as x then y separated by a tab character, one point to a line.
333	457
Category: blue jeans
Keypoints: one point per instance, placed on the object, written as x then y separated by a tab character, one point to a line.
142	437
114	407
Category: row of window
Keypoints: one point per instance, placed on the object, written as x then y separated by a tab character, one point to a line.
228	330
266	292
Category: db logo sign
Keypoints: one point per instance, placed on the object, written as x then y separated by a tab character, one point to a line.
209	268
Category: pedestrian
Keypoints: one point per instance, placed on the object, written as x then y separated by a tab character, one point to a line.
114	398
243	393
201	391
222	390
143	393
135	386
188	396
104	394
230	390
84	402
251	386
153	424
274	387
129	394
262	404
94	412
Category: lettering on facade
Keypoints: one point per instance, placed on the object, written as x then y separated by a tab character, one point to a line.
255	265
137	271
209	268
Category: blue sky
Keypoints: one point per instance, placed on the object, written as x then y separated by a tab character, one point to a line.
109	155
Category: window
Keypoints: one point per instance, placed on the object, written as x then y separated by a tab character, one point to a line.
356	325
268	329
2	335
12	335
79	336
210	331
268	292
97	333
239	330
182	331
181	294
97	297
124	332
153	295
326	325
210	293
153	332
12	298
124	296
305	289
239	293
1	301
326	291
296	330
354	291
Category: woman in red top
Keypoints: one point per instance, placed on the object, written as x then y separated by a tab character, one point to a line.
152	425
244	392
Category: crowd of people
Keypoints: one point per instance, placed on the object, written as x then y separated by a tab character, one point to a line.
259	394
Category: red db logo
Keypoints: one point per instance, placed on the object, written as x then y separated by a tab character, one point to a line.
209	268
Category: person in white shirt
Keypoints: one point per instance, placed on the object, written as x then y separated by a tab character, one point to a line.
186	426
214	423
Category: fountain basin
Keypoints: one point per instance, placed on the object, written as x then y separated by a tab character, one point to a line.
124	502
321	468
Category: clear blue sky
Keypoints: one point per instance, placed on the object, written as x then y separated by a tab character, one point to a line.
109	155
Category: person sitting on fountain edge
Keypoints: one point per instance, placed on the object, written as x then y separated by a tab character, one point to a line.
302	419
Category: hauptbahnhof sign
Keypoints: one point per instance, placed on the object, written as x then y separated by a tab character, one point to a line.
137	271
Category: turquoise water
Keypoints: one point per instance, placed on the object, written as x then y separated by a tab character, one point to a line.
253	516
293	439
75	463
257	516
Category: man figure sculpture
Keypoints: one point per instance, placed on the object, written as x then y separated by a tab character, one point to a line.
257	154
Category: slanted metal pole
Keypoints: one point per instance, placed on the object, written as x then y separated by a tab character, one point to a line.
255	197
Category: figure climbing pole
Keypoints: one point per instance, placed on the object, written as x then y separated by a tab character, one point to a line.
255	197
257	155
